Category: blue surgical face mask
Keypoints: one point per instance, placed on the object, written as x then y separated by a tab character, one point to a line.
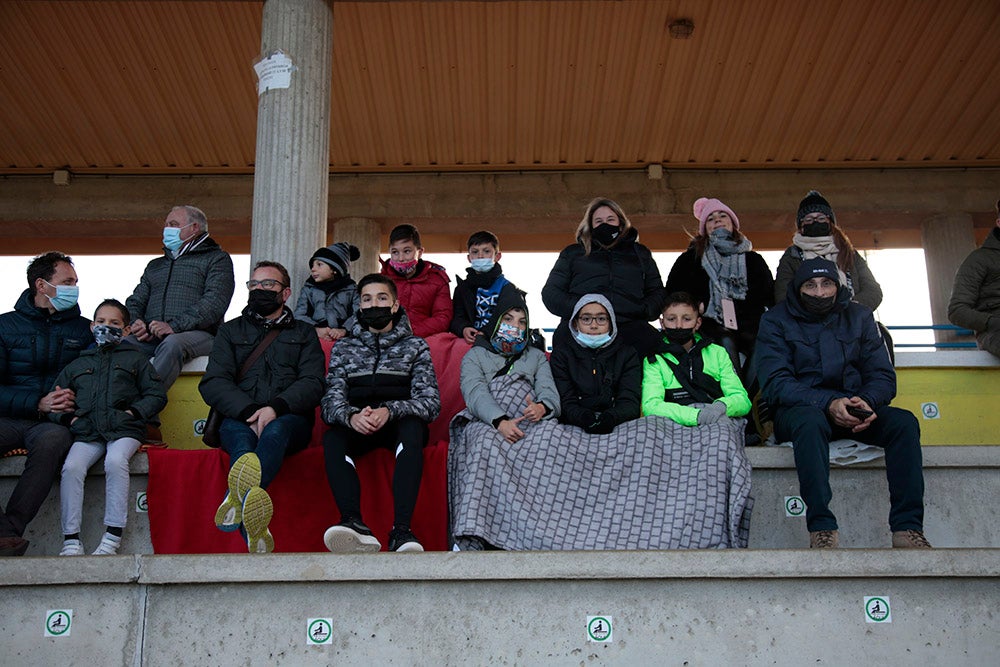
172	237
593	341
482	264
66	296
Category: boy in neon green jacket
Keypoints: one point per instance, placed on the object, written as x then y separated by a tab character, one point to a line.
688	378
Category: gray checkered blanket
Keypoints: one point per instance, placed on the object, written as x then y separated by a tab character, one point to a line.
651	484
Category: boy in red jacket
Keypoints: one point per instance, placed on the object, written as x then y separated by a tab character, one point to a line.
422	286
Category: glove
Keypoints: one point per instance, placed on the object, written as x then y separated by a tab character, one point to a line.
711	413
603	425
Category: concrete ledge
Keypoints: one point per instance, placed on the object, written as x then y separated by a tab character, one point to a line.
946	359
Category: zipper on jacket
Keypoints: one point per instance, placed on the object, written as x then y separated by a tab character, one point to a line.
166	287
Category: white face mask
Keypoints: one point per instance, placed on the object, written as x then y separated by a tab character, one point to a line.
482	264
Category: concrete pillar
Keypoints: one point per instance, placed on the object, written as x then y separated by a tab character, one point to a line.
947	239
291	175
363	233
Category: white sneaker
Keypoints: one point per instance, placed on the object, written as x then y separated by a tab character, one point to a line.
72	548
108	546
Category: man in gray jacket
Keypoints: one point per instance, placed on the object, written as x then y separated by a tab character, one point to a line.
182	297
975	297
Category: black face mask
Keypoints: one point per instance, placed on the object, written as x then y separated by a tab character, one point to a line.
375	317
264	301
816	229
605	234
817	305
678	336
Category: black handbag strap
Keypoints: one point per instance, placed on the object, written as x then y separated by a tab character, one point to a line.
257	351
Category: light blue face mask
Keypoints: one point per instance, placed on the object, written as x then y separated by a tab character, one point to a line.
593	341
482	264
65	298
172	237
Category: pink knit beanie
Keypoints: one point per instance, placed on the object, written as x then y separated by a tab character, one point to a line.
705	207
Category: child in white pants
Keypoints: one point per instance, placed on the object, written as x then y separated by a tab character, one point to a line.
116	391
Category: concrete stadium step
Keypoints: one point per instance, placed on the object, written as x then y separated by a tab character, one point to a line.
786	607
962	492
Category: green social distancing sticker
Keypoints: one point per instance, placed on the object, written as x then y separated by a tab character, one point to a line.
600	629
319	631
58	622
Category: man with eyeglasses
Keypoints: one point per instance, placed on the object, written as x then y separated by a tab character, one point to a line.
269	407
182	297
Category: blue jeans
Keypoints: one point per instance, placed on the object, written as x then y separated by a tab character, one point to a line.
285	435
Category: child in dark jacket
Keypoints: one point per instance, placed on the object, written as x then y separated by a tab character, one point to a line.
381	392
476	296
117	392
329	296
599	378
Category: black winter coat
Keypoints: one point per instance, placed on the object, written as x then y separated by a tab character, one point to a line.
288	377
34	347
598	389
109	380
626	274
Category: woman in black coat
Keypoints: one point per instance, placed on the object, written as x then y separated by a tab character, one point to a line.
599	378
607	259
733	283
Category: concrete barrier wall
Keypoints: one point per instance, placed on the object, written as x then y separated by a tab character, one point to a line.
962	493
787	607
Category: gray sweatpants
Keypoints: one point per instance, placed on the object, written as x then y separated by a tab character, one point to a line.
81	456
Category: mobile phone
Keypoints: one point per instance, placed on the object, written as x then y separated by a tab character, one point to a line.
860	413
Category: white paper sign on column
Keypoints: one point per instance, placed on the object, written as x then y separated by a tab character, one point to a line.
273	72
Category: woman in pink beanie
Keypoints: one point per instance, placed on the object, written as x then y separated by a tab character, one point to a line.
733	283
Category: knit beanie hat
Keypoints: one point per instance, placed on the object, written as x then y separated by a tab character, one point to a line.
705	207
817	267
814	203
338	255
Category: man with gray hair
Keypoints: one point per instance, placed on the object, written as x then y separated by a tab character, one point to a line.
182	297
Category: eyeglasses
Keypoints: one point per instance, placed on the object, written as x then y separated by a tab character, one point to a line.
591	319
267	283
818	217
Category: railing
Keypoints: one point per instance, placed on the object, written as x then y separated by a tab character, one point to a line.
944	345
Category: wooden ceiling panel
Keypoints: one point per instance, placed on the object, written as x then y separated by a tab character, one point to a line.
167	86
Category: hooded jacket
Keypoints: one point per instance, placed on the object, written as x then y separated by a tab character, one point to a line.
598	388
391	370
425	295
812	360
35	346
625	273
975	298
482	362
108	380
190	292
327	304
288	377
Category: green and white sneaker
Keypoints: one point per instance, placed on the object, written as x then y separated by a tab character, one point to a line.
257	512
243	476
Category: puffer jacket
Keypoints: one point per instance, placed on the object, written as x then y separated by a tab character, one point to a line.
812	360
626	274
426	297
190	292
975	298
288	377
468	303
391	370
327	304
34	347
108	380
598	388
863	287
481	363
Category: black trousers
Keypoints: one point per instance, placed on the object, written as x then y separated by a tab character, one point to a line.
47	444
342	445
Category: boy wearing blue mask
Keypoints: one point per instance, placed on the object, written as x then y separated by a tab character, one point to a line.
688	378
598	377
476	296
117	391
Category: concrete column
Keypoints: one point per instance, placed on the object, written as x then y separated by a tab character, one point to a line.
947	239
363	233
291	175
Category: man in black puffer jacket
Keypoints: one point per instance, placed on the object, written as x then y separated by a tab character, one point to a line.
269	411
43	333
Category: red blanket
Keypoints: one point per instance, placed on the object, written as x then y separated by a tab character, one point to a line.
186	487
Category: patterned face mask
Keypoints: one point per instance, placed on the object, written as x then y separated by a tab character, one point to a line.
403	267
105	334
509	339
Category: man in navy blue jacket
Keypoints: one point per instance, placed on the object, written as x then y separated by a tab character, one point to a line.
43	333
825	370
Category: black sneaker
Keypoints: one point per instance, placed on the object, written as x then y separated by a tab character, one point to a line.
350	537
403	539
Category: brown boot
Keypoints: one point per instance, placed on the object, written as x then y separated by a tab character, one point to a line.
910	539
823	539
